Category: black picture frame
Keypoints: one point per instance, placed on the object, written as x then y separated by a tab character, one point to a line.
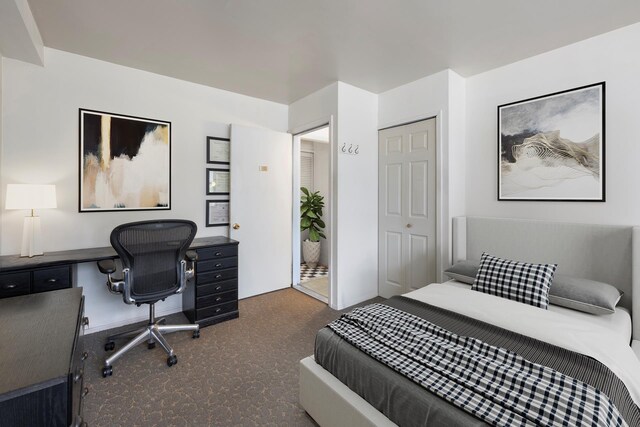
208	181
208	219
210	139
555	148
87	130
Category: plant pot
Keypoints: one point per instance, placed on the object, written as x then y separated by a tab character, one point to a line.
311	253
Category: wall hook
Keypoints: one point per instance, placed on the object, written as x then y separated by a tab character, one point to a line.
356	150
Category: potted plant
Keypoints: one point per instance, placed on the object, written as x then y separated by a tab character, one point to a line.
311	205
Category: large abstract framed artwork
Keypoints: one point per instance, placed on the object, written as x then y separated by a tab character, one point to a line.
125	163
552	147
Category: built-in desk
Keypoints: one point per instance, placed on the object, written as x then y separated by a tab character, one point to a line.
212	297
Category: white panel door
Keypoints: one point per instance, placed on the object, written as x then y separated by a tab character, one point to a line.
407	208
260	208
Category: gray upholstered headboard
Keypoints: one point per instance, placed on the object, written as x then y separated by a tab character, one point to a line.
606	253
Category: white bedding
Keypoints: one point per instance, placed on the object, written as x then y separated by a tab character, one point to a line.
618	322
575	333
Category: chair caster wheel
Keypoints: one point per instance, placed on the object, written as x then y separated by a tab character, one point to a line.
172	360
151	345
107	371
109	346
196	334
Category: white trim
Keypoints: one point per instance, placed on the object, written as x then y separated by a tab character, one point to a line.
407	120
295	212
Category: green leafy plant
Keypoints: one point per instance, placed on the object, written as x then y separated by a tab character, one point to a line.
311	205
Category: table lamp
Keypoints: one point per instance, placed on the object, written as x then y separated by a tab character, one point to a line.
30	196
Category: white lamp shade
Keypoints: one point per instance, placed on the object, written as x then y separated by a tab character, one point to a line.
30	196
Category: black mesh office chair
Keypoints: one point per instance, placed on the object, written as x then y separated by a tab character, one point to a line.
154	266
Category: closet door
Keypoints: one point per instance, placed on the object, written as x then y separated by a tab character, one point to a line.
260	208
407	208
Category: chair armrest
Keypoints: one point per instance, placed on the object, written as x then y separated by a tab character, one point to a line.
107	266
192	256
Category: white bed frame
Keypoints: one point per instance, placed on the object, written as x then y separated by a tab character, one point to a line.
606	253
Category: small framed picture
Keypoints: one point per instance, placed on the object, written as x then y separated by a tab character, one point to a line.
218	150
217	213
217	181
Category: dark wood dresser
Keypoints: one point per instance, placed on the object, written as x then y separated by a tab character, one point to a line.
212	296
42	359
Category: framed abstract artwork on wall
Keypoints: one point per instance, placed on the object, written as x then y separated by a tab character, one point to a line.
552	147
125	163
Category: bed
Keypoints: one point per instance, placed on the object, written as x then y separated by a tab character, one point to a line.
597	252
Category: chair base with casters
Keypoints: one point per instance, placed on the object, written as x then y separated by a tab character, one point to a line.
154	257
151	333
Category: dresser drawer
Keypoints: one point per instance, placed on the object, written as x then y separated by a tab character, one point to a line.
216	288
216	310
14	284
217	252
216	276
216	299
216	264
50	279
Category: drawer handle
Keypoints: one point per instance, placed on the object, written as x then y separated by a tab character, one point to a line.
85	391
218	253
218	276
218	288
218	299
219	264
85	356
85	321
9	286
218	310
78	376
51	281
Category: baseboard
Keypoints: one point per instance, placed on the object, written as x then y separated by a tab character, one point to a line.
142	318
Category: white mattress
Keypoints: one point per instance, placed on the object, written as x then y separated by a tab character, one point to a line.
618	322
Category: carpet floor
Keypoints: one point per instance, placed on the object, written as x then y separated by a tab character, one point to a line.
243	372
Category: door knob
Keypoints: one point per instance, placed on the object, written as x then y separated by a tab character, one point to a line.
409	225
236	226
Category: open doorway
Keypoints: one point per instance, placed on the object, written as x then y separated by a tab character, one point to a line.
312	213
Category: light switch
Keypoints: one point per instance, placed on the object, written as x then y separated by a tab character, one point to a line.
263	168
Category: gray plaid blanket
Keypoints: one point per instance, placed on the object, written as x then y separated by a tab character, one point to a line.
494	384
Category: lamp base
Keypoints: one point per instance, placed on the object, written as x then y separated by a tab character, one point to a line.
31	238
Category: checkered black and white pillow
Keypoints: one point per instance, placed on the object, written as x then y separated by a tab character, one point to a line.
518	281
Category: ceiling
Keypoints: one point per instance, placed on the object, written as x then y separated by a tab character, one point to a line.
283	50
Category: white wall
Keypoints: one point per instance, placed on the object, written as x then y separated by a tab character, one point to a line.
354	251
317	109
442	95
357	196
40	129
611	57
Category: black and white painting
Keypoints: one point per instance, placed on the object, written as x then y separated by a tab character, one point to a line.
125	162
552	147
